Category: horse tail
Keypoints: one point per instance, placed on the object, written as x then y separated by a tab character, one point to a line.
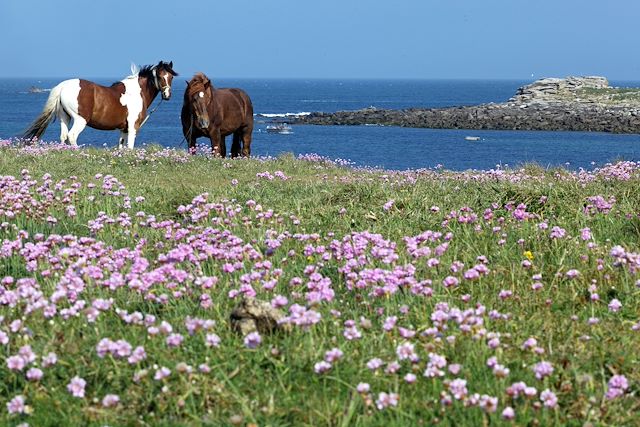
48	114
248	105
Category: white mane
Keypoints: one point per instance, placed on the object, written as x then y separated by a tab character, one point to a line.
134	72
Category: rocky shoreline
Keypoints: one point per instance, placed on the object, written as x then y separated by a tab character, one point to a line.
570	104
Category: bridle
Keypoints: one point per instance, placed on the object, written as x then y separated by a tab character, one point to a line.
156	83
158	87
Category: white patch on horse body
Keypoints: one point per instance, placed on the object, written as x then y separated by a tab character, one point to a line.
131	138
69	92
79	123
201	94
69	109
132	99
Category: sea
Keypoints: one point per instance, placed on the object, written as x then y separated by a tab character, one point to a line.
391	148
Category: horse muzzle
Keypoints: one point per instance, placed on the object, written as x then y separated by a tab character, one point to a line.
203	122
166	93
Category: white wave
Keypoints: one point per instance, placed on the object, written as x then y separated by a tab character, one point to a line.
271	115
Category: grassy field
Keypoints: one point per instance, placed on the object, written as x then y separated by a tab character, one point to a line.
505	297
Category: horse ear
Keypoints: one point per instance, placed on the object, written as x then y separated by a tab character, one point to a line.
171	64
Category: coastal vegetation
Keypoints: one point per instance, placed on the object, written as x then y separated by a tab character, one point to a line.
426	297
611	95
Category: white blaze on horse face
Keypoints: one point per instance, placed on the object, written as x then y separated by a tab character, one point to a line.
166	90
201	94
132	99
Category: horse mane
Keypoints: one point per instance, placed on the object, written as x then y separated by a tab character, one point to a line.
147	71
197	83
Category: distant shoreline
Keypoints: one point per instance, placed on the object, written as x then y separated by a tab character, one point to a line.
570	104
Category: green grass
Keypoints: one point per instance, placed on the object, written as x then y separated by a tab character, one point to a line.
275	384
610	95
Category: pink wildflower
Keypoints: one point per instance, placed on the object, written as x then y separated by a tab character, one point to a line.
542	369
322	367
615	305
16	363
363	387
618	385
333	355
110	400
212	340
252	340
76	386
508	413
16	405
34	374
161	373
174	340
549	398
410	378
458	388
386	399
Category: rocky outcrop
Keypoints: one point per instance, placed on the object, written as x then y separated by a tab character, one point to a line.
574	103
553	89
254	315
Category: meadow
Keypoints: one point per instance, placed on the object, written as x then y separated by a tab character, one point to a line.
502	297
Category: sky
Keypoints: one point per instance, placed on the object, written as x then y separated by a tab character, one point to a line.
393	39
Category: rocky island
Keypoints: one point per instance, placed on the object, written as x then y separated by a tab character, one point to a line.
572	103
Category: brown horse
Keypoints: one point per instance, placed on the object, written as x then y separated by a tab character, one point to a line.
122	106
216	113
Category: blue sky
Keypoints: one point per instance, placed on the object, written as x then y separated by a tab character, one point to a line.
503	39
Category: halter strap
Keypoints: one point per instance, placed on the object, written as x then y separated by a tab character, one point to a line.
155	79
150	113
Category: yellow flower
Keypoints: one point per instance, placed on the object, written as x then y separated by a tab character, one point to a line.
528	255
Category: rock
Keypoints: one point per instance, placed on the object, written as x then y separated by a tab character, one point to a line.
552	88
574	103
254	315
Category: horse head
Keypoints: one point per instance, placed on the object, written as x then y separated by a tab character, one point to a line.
199	94
163	77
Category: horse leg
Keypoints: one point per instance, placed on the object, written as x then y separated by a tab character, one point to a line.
188	135
246	141
223	146
216	141
79	123
122	139
192	145
235	146
131	137
65	119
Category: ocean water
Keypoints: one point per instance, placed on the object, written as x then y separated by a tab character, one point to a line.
373	146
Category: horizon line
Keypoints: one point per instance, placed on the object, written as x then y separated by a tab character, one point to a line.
342	78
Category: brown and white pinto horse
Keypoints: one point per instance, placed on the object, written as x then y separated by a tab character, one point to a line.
122	106
217	113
